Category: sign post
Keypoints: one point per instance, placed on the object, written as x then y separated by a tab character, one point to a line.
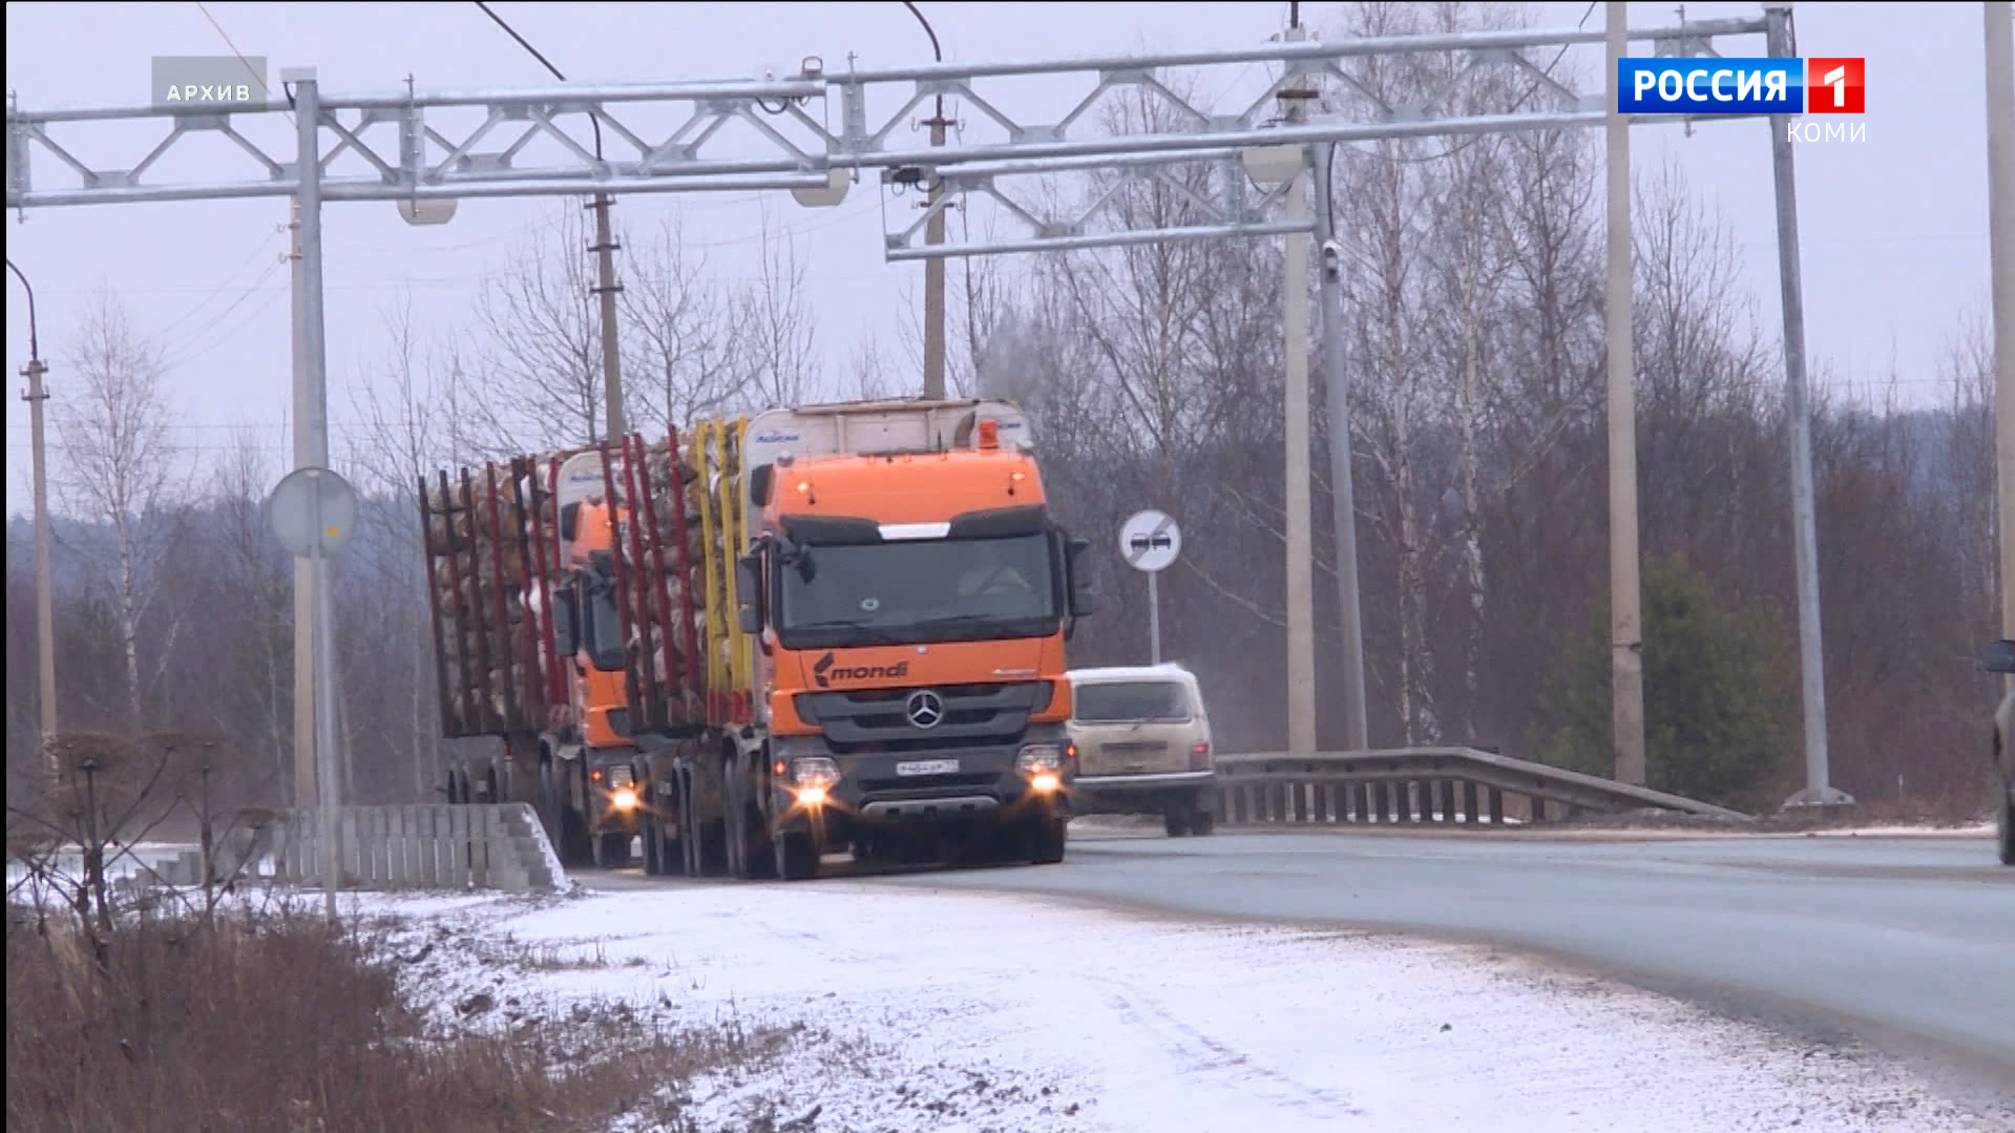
1150	541
312	511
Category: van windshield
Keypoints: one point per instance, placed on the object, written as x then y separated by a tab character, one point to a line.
1130	701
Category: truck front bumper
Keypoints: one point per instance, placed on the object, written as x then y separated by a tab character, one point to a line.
954	786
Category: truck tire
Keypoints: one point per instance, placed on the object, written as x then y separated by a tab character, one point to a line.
1048	837
707	845
1202	822
612	851
2007	832
655	864
797	854
689	845
751	855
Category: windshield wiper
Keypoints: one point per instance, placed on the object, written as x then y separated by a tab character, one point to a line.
988	621
873	632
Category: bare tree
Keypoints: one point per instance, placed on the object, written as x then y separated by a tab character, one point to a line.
682	344
537	340
122	469
779	330
257	617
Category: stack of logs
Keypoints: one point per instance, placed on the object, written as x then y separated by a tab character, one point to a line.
493	534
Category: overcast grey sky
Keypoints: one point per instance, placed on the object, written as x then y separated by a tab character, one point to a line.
1895	244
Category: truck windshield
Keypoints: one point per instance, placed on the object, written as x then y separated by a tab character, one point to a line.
926	590
1131	701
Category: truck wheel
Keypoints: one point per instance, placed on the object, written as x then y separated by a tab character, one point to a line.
1049	835
689	843
709	837
797	854
1176	822
750	854
612	851
654	847
2007	830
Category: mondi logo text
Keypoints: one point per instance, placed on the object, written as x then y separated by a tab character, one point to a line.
825	672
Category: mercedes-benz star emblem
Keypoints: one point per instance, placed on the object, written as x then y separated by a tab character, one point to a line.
926	709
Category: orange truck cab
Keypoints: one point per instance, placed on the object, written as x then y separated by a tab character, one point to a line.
908	594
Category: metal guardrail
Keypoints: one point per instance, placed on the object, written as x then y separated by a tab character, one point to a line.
1416	785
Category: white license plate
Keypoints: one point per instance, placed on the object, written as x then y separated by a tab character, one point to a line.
928	767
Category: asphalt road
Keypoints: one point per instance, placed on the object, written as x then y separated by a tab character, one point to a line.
1906	944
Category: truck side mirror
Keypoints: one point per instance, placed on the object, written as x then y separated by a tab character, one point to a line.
749	592
1998	657
570	521
566	617
1083	598
760	479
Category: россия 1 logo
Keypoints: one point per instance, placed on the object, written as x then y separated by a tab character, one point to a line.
1741	86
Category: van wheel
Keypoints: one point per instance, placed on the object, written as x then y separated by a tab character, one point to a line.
2007	830
1202	822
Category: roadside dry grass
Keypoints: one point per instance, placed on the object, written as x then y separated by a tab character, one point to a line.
277	1022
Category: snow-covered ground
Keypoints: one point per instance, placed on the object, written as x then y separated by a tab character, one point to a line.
971	1012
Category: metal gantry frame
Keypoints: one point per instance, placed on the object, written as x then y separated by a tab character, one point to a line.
670	137
400	146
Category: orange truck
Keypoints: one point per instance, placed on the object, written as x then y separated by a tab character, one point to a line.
823	629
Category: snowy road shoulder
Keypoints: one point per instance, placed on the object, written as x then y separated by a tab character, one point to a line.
929	1010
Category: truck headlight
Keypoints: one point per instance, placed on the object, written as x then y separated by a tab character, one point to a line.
1040	759
623	798
814	771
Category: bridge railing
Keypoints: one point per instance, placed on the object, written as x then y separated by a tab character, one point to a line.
430	846
1423	785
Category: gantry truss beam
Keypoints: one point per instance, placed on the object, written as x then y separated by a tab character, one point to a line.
781	134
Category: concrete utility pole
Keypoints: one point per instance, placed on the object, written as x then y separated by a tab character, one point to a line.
1626	626
45	605
605	268
1343	494
1804	521
1300	543
305	455
934	235
1999	18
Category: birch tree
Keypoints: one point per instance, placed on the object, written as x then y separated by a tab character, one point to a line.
122	469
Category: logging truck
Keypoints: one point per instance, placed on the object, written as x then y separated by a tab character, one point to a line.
763	640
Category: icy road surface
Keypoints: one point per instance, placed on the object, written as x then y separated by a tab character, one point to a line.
998	1012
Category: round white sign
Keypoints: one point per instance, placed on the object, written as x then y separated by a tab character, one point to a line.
312	508
1149	541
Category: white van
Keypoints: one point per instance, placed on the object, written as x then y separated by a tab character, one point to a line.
1144	746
